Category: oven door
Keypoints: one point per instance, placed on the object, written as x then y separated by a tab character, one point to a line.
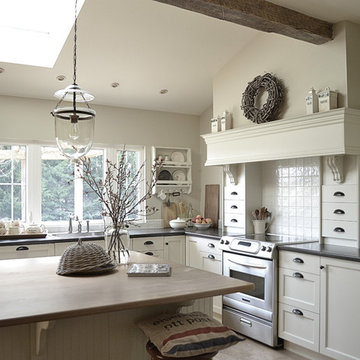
261	272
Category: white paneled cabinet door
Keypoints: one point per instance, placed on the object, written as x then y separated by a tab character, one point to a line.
339	309
174	249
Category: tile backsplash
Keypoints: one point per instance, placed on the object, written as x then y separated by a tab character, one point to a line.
291	192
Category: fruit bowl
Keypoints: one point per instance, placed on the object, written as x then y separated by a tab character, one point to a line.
202	226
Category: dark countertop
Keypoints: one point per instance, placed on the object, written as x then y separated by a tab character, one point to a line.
134	233
333	251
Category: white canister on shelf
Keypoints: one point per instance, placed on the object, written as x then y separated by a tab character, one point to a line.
327	99
215	124
225	121
311	100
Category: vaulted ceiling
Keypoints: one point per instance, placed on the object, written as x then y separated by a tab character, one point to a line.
146	46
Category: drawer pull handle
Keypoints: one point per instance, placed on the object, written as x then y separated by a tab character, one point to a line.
234	207
212	257
234	193
339	230
297	312
298	275
211	245
298	260
22	248
339	193
149	253
234	220
246	322
339	212
149	242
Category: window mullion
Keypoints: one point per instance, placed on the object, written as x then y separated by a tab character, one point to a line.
33	183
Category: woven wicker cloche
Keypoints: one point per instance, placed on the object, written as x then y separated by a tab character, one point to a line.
85	258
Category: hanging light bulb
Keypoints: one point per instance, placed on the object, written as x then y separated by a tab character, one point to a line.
74	126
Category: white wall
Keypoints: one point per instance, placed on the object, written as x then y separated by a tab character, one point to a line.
299	65
23	120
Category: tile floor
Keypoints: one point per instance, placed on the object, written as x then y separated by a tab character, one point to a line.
253	350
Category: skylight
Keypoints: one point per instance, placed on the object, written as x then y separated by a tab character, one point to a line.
33	32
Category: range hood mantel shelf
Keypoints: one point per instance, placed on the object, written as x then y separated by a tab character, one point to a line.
328	133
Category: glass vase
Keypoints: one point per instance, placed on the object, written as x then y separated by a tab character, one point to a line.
117	241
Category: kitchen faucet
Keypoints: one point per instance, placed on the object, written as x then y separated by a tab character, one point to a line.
70	228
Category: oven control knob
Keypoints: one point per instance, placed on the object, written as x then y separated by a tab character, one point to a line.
268	249
221	241
263	248
227	242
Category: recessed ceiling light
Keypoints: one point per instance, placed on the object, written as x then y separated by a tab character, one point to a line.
61	77
115	84
164	91
2	70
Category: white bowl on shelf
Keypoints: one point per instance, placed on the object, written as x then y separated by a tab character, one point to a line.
178	223
202	226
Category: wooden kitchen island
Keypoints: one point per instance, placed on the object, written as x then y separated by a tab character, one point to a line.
52	317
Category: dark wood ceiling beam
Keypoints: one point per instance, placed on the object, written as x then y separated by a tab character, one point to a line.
262	15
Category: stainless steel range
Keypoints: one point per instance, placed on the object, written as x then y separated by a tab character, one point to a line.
253	258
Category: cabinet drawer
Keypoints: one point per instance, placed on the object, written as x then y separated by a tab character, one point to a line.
148	243
26	251
234	193
299	262
211	262
234	206
205	245
340	229
340	211
156	253
299	329
299	289
237	220
340	193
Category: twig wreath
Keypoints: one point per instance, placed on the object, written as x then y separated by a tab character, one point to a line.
275	96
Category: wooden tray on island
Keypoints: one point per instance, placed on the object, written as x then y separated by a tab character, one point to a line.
23	236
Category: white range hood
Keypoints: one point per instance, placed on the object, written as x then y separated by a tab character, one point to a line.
330	133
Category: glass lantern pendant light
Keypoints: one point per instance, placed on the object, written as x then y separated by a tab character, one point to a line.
74	126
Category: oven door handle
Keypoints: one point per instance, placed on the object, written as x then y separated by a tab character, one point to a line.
248	265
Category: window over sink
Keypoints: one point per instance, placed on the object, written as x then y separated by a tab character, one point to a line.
38	184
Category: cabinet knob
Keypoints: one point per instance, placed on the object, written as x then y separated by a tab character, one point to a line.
22	248
149	242
339	193
339	212
298	260
298	275
322	267
166	243
212	257
339	230
297	312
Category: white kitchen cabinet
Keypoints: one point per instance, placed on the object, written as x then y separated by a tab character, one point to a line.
26	251
175	173
339	309
174	249
340	213
61	246
170	248
203	253
299	298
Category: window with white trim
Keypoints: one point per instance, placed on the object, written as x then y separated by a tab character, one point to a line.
38	184
12	182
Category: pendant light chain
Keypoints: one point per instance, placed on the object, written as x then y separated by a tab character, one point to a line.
75	40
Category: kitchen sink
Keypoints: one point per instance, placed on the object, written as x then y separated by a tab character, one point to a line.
76	235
